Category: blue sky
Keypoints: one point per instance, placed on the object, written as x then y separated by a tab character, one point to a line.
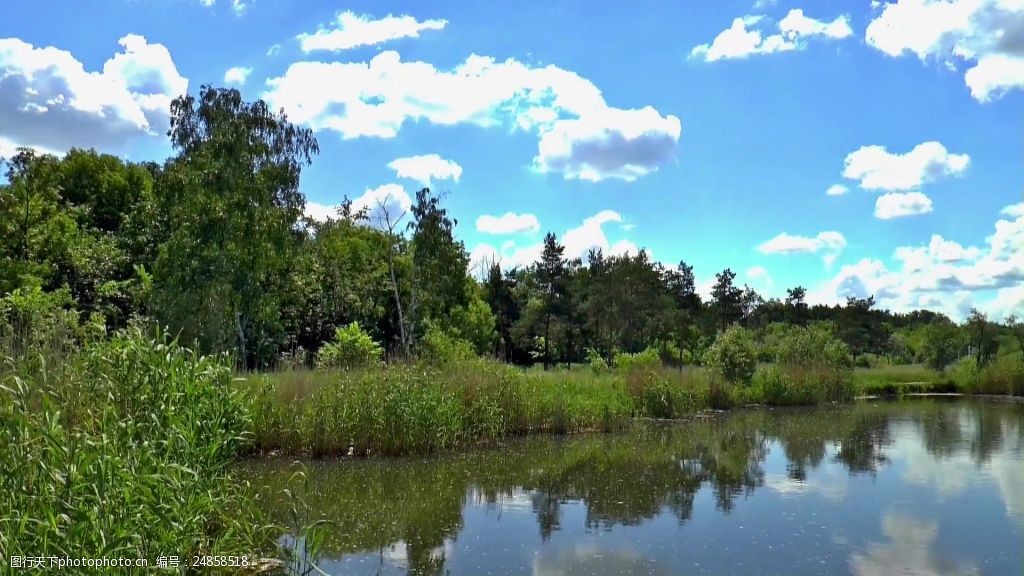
703	131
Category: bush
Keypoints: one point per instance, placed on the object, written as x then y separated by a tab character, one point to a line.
440	347
648	359
352	347
733	355
596	361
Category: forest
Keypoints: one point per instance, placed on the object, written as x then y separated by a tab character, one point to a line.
213	246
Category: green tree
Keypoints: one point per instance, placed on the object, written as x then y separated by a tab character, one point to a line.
551	279
232	203
941	344
727	299
733	355
439	262
982	337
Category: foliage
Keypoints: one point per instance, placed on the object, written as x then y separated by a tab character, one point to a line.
645	360
441	347
733	355
941	344
231	200
351	347
126	450
597	363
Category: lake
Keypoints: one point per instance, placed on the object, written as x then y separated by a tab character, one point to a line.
924	486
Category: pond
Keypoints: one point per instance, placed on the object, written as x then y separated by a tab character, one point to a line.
926	486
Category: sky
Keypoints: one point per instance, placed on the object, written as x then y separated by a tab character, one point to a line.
856	148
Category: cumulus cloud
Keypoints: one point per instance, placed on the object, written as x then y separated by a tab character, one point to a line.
579	134
987	36
829	243
49	100
507	223
901	204
237	75
743	39
352	30
425	168
578	241
878	169
942	275
387	201
837	190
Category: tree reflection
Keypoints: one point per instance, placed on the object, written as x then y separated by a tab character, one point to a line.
621	479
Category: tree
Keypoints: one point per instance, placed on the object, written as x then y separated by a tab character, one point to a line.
733	355
941	344
982	337
232	201
439	262
727	298
796	305
551	278
498	293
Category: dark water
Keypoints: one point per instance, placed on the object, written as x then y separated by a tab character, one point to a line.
931	486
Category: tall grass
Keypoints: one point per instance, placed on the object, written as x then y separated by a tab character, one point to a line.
416	408
123	451
901	379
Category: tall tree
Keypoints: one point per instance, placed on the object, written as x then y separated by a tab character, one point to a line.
727	299
796	305
551	279
439	262
232	203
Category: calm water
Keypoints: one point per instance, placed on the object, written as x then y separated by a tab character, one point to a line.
931	486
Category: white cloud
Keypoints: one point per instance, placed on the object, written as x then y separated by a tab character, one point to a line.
579	135
986	35
830	243
49	100
1013	210
878	169
742	39
321	212
837	190
387	201
237	75
274	50
759	274
352	30
508	223
424	168
901	204
943	275
578	242
239	7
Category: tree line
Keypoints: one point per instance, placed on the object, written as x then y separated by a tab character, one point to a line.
213	244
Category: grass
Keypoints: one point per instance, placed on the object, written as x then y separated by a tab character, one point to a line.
123	450
1003	376
416	408
901	379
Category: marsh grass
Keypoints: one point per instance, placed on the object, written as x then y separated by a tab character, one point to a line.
901	379
124	450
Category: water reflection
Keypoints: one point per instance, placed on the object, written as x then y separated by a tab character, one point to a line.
910	550
862	489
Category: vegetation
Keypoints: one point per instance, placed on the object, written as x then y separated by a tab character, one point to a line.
124	451
118	444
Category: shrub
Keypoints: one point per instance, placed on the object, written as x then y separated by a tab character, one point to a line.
648	359
733	355
352	347
440	347
596	361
